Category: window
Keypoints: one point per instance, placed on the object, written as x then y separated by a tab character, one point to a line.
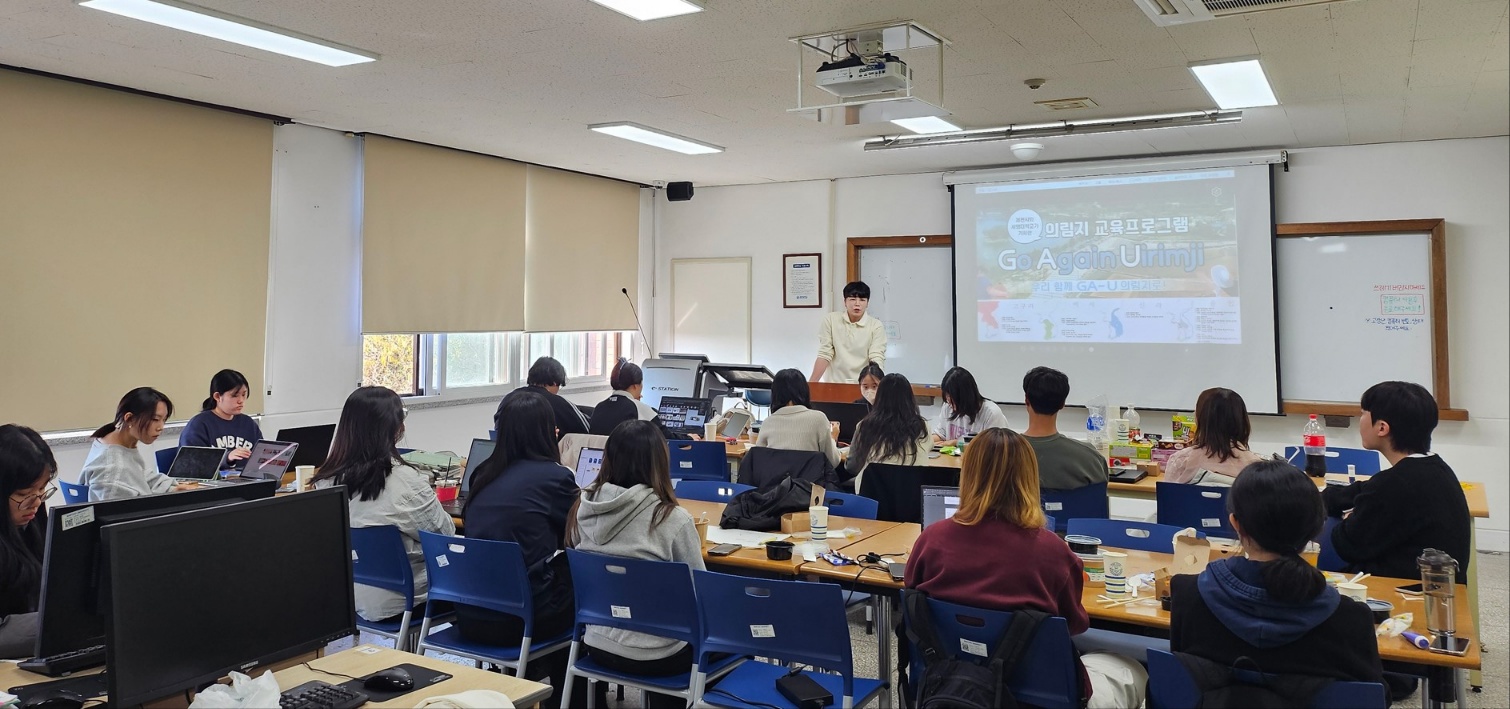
391	361
586	355
478	359
471	365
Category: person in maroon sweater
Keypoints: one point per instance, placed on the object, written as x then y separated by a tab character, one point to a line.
995	554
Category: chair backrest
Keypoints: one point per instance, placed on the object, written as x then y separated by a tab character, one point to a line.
709	490
791	621
843	504
1143	536
758	397
479	572
898	489
1203	507
1171	687
379	559
763	466
1089	502
1046	676
72	493
652	597
1327	559
699	460
1364	461
165	458
571	446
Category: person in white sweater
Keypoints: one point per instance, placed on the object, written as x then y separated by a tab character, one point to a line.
894	432
792	425
965	411
115	468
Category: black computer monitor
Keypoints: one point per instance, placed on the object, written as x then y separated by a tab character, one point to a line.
482	449
314	443
681	414
846	415
186	608
72	609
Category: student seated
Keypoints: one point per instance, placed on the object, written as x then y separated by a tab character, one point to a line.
27	471
995	554
1063	462
792	425
632	512
964	411
381	490
894	432
1220	449
1414	504
624	404
546	377
114	467
1269	609
870	381
220	423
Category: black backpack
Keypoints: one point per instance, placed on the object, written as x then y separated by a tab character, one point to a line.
1221	686
950	682
761	509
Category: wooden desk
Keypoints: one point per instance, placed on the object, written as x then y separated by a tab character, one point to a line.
755	559
366	659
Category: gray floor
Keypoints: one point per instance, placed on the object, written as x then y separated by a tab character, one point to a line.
1494	572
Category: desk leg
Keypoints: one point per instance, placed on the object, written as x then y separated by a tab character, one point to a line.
1475	677
884	633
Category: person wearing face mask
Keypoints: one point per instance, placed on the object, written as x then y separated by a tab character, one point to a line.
628	382
115	468
220	423
870	381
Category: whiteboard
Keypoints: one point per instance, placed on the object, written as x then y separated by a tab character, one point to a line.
710	308
1353	311
910	293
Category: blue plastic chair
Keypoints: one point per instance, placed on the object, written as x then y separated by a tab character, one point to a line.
844	504
1089	502
709	490
165	459
747	616
759	398
1327	559
486	574
652	597
1143	536
1046	676
699	460
1364	461
1203	507
72	493
379	559
1170	687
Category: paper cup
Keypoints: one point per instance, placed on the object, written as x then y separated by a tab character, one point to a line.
710	431
1355	591
702	529
302	474
817	522
1116	565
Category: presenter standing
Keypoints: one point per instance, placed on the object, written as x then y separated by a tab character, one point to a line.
849	339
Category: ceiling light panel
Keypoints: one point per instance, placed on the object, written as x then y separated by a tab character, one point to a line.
229	28
656	138
1235	83
927	124
643	10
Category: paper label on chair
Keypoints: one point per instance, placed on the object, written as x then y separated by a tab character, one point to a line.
74	519
762	631
1053	506
973	648
619	611
354	555
687	464
442	561
1211	522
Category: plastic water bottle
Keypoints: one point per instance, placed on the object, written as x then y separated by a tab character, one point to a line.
1134	423
1313	439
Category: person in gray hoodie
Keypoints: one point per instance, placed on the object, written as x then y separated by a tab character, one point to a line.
632	512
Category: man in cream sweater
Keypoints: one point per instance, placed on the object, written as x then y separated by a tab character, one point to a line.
849	339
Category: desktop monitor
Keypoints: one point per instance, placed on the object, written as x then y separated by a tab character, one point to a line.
847	415
314	443
939	504
71	615
185	608
482	449
670	377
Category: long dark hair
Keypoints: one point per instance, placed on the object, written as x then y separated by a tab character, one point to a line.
893	426
225	381
871	369
625	374
1221	423
141	404
365	448
964	395
636	454
1277	508
526	429
24	460
789	388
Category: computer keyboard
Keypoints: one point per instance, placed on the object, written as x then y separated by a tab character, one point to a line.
65	662
321	695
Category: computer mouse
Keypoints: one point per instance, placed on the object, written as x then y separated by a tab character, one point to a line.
54	699
393	679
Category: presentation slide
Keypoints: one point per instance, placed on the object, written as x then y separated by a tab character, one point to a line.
1115	277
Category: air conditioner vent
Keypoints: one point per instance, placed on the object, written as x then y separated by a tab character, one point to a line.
1178	12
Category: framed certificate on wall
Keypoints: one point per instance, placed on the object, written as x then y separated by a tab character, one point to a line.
802	280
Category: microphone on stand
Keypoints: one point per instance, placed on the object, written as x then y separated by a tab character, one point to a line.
637	324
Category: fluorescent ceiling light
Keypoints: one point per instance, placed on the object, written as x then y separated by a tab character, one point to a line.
237	30
651	9
1235	83
657	138
1020	131
927	124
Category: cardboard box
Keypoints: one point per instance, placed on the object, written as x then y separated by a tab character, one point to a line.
1183	427
1124	455
801	521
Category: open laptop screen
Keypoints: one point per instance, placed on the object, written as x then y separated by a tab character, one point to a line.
196	463
482	449
683	414
588	465
939	503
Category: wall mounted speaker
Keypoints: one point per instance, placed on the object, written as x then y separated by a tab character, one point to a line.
678	191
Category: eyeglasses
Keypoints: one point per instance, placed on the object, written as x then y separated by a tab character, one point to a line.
25	500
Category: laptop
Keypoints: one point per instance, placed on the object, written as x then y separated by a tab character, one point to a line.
269	460
848	416
196	463
588	465
482	449
314	443
939	503
680	414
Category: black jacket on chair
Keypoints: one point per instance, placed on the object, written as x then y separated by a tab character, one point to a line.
764	466
898	489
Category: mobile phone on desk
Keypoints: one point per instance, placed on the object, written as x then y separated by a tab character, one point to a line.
897	570
1411	590
724	549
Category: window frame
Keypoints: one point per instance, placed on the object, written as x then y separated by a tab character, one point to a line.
430	369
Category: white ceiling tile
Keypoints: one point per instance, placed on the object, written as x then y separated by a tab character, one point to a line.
1318	122
1449	19
1217	39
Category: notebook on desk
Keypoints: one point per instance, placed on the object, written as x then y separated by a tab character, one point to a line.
196	463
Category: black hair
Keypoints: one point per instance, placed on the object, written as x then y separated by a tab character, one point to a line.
1221	423
25	460
1277	508
365	448
225	381
526	427
789	387
1044	390
1410	411
141	404
636	454
625	374
959	385
546	372
857	289
871	369
893	427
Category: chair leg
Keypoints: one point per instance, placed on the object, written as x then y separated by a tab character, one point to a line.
592	695
571	676
424	631
870	617
401	638
524	657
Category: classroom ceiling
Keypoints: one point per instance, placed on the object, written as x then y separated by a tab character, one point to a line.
523	78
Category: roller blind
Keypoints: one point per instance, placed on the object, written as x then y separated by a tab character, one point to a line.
442	240
584	235
135	236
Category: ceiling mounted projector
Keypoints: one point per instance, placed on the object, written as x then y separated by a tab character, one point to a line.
1027	151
